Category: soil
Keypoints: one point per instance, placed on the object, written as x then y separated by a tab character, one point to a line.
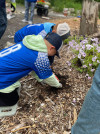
41	108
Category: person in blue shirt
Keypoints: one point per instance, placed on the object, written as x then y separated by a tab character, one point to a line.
43	29
29	4
61	29
3	18
30	55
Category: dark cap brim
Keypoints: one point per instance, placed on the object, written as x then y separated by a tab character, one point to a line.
57	54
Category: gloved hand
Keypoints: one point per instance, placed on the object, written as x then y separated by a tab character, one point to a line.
60	85
43	83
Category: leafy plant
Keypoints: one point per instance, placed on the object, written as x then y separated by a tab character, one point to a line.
86	54
60	5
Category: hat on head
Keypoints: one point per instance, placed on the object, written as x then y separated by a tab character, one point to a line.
63	30
55	40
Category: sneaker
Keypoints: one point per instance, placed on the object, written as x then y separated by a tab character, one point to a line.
10	16
8	110
24	20
30	22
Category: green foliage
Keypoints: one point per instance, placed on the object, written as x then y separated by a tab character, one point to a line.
86	54
82	0
20	1
78	1
59	5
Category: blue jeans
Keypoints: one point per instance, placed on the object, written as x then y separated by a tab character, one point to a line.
88	121
30	5
3	21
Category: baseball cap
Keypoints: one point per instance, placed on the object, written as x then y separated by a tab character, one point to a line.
63	30
55	40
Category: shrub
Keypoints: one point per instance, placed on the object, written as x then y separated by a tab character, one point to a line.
86	54
20	1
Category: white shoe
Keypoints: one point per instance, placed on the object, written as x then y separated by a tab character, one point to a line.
29	22
10	16
8	110
24	20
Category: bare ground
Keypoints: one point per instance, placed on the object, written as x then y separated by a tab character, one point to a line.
42	109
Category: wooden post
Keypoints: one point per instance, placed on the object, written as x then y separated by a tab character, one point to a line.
88	23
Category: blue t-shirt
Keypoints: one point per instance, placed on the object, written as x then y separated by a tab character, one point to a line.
28	30
17	61
41	29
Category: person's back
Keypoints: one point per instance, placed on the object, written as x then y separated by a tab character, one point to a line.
20	59
28	30
16	62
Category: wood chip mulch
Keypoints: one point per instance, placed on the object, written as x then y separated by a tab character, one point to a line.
46	110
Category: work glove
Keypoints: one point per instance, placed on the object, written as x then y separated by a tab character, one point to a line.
53	81
60	85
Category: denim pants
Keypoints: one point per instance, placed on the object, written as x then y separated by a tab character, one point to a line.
3	21
30	5
88	121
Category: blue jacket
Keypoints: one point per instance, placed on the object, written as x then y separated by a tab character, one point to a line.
32	0
41	29
18	60
2	3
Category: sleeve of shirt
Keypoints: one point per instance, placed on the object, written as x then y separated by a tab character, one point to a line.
44	72
36	76
51	81
42	66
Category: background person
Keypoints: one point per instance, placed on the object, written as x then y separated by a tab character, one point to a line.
29	4
13	6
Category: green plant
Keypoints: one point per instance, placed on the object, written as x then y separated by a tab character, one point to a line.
59	5
20	1
86	54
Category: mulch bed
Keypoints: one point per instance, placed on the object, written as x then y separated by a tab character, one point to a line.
43	109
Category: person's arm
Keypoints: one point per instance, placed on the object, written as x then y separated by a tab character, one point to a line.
51	81
43	70
36	76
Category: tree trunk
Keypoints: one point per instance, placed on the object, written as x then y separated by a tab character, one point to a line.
88	23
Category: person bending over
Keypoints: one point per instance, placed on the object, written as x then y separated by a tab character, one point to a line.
17	61
43	29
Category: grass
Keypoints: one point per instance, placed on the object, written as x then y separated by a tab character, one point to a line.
67	4
20	2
